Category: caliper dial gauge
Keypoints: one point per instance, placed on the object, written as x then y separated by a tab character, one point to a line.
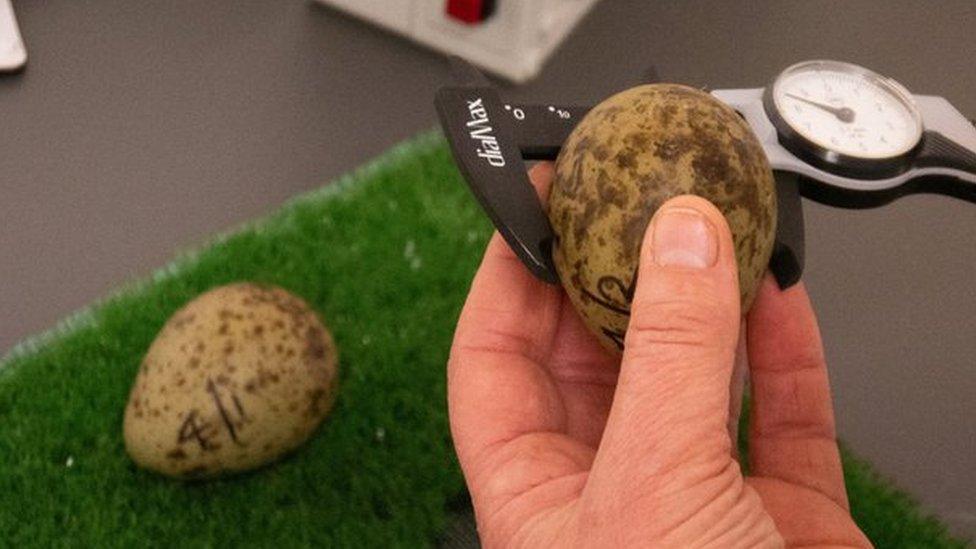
844	118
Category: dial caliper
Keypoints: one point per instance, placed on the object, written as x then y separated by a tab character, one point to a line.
834	132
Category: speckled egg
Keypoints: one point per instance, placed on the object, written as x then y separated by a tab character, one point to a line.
238	377
628	156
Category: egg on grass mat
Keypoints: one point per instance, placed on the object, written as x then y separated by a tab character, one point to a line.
238	377
385	257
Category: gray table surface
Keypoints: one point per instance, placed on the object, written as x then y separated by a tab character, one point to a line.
139	128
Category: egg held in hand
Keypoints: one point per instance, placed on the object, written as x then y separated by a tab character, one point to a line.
629	155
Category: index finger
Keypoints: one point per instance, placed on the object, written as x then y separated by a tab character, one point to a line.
791	434
507	417
497	387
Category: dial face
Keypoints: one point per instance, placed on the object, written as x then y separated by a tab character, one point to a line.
847	110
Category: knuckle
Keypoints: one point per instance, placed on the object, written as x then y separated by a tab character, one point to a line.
680	322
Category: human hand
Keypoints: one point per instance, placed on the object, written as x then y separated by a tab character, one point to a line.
562	444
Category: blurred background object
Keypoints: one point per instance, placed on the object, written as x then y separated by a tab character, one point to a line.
511	38
13	54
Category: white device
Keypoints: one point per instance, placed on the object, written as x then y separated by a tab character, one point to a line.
13	54
510	38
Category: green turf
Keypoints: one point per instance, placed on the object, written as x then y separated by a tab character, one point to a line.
385	255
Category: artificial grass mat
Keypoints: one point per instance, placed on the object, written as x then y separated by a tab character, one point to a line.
386	255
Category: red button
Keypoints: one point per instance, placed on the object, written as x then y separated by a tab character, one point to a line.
471	12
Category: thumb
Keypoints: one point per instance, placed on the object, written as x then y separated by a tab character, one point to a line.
667	427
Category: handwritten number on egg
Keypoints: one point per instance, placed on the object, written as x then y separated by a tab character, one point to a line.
615	335
606	287
190	430
224	415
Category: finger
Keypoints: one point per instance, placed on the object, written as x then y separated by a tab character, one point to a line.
807	519
541	175
506	415
792	435
497	385
668	423
509	319
585	374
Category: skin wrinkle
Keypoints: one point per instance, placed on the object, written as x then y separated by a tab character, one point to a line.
502	341
522	537
685	455
733	490
817	426
773	488
524	457
580	376
824	486
560	491
519	454
688	322
814	362
488	459
680	320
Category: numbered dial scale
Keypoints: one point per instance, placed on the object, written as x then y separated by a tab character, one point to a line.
834	132
845	117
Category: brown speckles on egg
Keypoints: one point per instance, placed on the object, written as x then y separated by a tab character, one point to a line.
624	159
711	164
627	159
670	148
315	343
227	386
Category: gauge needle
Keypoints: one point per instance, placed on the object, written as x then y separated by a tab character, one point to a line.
844	114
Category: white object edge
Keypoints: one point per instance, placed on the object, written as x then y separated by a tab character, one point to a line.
513	43
13	54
